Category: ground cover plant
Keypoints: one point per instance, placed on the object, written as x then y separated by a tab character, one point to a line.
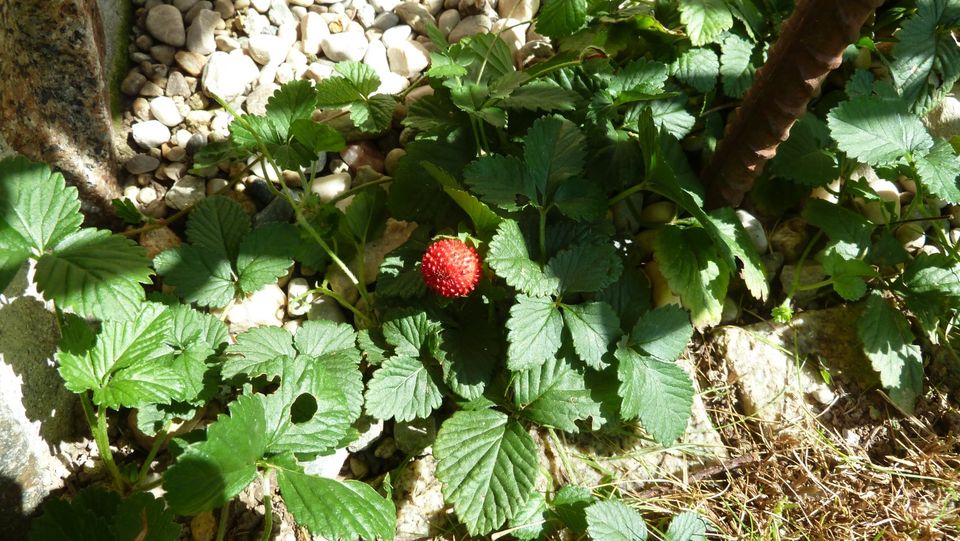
565	255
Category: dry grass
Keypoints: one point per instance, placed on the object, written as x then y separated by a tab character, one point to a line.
886	477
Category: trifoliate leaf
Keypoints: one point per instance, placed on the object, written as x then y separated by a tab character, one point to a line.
37	204
554	395
705	20
98	515
889	344
644	77
612	520
402	389
877	131
293	101
258	351
840	224
554	151
939	170
696	273
199	276
95	273
629	296
926	54
364	219
559	18
671	115
471	354
210	473
487	464
218	225
804	157
687	526
334	346
569	507
931	288
337	509
528	523
659	393
14	251
411	335
736	71
585	268
355	82
541	95
309	412
593	327
129	364
375	114
534	331
663	333
499	180
731	240
698	68
510	258
265	255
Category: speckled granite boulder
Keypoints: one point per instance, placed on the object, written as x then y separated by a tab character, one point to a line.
54	98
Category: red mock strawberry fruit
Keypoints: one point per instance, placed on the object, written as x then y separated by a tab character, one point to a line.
451	268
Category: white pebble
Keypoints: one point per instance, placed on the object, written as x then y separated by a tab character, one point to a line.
150	134
330	186
165	110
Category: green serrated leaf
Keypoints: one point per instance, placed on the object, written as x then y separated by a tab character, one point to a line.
705	20
612	520
402	389
926	54
541	95
356	81
129	357
37	204
470	356
365	218
534	331
98	515
554	153
877	131
939	170
736	71
663	333
554	395
210	473
804	157
510	257
569	505
14	252
316	137
499	180
698	68
412	334
258	352
687	526
889	344
697	274
487	464
585	268
593	328
671	115
309	413
293	101
485	220
528	523
642	76
95	273
217	225
659	393
127	211
199	276
265	255
337	509
375	114
559	18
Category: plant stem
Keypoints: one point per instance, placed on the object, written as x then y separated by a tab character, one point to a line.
640	186
563	456
224	517
795	285
543	234
347	193
268	508
342	302
815	285
158	442
98	427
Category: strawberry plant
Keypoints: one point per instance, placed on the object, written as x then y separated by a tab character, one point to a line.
562	254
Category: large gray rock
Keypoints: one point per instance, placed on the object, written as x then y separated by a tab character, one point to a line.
775	367
37	413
